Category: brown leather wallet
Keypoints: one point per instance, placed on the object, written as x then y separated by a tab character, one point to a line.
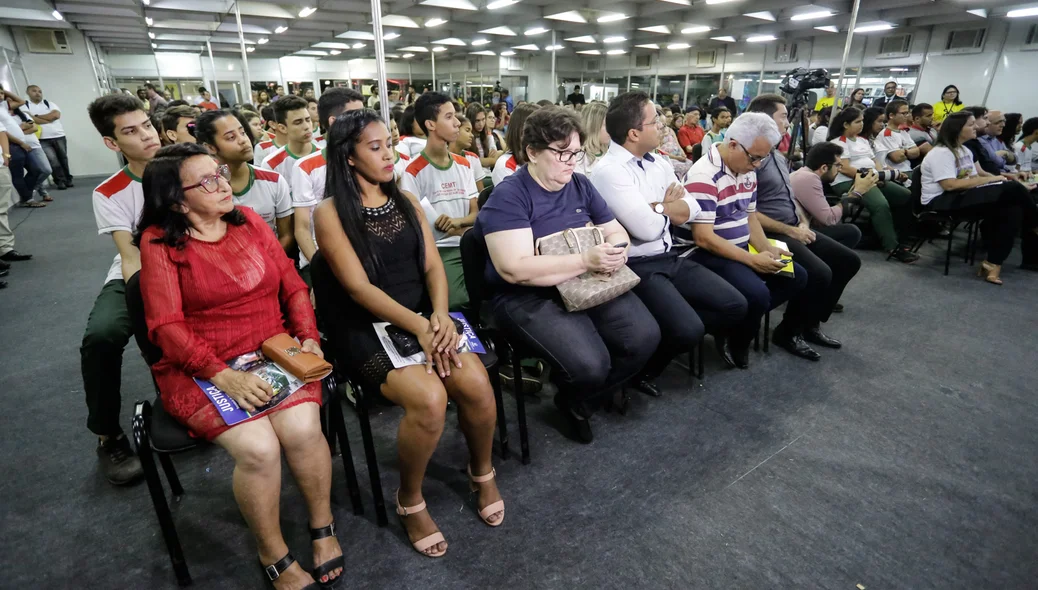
306	366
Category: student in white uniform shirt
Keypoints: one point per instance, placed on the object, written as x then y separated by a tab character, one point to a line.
895	147
267	144
412	138
126	128
401	161
444	185
224	133
308	176
47	115
511	160
293	120
1026	153
458	147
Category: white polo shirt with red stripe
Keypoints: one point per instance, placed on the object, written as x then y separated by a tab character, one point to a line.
400	165
411	146
262	150
478	172
308	180
267	194
504	167
283	162
441	191
891	141
118	203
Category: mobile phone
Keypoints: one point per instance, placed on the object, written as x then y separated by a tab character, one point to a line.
620	245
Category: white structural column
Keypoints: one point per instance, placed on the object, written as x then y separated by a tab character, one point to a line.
380	58
861	63
760	81
432	55
246	92
846	53
216	83
994	71
555	82
158	72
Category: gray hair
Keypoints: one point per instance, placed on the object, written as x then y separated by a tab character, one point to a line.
747	127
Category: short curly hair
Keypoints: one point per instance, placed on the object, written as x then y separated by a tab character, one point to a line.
549	125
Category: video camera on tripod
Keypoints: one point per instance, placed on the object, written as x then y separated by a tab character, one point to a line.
798	82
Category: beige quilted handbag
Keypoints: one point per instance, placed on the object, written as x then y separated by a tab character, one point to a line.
591	288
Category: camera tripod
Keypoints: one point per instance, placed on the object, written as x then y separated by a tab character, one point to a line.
801	127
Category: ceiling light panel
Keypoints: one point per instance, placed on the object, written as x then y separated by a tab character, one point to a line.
615	52
415	48
480	42
648	46
507	53
814	15
484	52
455	4
394	20
828	29
695	29
1022	12
726	39
434	22
616	39
872	27
502	31
760	38
362	35
612	18
570	16
535	31
678	46
530	47
661	29
500	4
763	15
584	39
590	52
451	41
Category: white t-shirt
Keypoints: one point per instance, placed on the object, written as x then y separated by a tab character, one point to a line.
411	146
943	164
819	134
441	191
307	183
50	130
478	172
891	141
858	151
267	194
400	165
118	203
283	162
504	167
1026	157
11	124
321	141
262	150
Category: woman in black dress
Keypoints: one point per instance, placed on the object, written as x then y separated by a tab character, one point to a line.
378	244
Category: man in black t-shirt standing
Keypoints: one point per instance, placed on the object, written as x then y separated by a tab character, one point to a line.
723	100
577	97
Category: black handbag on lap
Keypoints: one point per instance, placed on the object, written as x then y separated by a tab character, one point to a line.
406	343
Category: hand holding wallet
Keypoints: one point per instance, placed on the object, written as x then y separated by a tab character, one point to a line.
306	366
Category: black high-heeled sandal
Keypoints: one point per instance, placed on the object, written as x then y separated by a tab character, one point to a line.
275	570
331	565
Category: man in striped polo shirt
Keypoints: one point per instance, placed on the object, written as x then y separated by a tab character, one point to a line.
724	182
126	128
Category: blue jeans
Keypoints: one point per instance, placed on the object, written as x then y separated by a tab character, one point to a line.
24	173
56	149
39	157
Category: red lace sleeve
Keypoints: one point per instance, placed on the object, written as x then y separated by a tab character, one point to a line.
294	294
163	310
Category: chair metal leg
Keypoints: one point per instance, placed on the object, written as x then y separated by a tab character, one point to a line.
141	418
701	347
520	406
970	228
338	424
767	329
947	256
756	341
372	459
171	475
502	424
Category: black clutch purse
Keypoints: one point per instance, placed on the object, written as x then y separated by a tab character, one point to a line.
406	343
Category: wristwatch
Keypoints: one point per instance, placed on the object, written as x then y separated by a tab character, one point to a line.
658	208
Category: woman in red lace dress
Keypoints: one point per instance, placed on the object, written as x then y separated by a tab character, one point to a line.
215	281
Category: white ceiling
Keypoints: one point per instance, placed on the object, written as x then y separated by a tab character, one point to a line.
185	25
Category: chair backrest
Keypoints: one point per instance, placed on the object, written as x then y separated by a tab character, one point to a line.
135	305
917	190
473	265
697	152
483	196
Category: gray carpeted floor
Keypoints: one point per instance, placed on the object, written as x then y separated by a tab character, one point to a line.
905	460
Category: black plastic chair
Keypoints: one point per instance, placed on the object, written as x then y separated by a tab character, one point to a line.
327	288
697	152
939	219
483	196
157	433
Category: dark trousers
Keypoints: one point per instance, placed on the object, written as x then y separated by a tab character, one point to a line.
24	173
847	234
687	299
762	293
1006	208
57	152
590	351
830	266
107	333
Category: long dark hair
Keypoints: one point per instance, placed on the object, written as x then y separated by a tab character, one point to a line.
514	137
951	128
1008	136
205	125
958	95
855	91
869	118
844	117
163	192
344	190
479	137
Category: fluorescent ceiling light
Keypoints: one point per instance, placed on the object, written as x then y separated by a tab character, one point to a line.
402	22
1022	12
571	16
681	2
407	55
584	39
661	29
678	46
530	47
484	52
617	39
763	15
451	41
154	46
500	4
535	31
151	35
147	2
503	31
57	15
330	45
262	40
357	45
362	35
334	52
416	48
648	46
590	52
439	49
392	56
149	20
611	18
717	1
479	42
726	39
508	53
554	47
811	15
615	52
828	29
877	27
434	22
898	69
279	30
390	36
760	38
981	12
307	11
250	49
695	29
456	4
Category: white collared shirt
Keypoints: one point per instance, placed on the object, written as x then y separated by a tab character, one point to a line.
629	184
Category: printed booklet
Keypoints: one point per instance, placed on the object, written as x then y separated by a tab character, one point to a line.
281	381
468	342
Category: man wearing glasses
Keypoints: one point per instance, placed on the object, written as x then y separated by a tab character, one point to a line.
724	182
641	190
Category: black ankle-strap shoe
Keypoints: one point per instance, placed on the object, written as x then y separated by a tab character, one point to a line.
275	570
331	565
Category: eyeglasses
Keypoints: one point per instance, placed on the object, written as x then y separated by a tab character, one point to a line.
566	156
754	160
210	184
655	121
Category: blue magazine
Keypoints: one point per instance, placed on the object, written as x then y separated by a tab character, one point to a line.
281	381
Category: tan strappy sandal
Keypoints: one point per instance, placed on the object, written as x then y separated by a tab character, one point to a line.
424	543
492	509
